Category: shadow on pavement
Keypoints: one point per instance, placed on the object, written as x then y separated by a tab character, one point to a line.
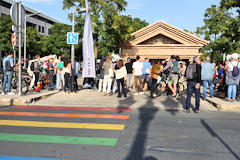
171	105
2	107
214	134
182	101
126	103
137	150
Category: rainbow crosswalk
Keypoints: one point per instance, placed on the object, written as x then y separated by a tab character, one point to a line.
24	119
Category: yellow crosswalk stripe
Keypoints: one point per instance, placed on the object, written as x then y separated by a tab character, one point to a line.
62	125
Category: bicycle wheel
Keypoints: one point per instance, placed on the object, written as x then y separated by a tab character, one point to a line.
181	90
162	87
25	87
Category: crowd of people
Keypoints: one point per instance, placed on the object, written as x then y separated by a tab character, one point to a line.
116	76
137	74
222	77
57	72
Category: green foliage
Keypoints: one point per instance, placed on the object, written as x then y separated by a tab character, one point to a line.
110	28
56	42
34	43
229	4
222	30
5	34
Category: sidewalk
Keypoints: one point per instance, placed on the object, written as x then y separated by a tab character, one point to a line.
92	98
25	99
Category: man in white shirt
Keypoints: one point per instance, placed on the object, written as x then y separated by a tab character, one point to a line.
137	72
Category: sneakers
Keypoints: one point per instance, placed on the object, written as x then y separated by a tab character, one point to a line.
154	95
3	93
11	93
141	93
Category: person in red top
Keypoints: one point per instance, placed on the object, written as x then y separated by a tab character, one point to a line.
215	76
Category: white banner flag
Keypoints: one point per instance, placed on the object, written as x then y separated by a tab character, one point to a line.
88	49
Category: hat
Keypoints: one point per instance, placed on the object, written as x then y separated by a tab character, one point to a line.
146	58
128	58
98	60
235	55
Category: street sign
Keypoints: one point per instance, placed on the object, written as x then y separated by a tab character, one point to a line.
72	38
13	40
14	10
15	29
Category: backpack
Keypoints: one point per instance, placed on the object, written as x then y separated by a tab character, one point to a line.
8	66
190	72
175	67
235	71
32	66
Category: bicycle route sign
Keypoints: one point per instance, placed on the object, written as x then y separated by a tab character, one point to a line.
72	38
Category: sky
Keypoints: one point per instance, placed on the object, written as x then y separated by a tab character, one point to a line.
184	14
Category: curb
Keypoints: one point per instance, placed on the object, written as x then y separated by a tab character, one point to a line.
25	100
222	105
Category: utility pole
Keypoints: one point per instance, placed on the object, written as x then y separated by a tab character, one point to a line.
25	37
73	49
20	49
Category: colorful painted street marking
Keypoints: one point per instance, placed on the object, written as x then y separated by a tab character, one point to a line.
62	125
73	108
36	114
58	139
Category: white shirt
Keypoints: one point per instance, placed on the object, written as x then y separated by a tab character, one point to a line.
138	67
232	64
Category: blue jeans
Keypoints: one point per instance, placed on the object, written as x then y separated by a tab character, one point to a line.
59	78
7	78
232	91
190	89
205	84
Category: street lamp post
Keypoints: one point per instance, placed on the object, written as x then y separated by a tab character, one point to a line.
73	49
73	30
25	36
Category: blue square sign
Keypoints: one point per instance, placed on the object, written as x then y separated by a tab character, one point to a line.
72	38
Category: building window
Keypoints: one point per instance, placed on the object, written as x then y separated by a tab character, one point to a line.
42	29
39	28
49	31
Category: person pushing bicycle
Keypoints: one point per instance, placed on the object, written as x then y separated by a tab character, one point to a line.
175	69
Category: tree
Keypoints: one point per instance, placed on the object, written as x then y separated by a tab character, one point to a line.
119	32
220	31
110	28
229	4
56	42
5	34
34	43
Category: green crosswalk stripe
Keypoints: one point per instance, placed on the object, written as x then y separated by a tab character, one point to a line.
58	139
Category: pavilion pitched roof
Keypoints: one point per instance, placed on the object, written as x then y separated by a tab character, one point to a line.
168	30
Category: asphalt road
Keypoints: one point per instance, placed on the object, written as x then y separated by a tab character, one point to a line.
138	134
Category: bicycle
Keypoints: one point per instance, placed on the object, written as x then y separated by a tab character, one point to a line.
44	79
165	90
26	80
